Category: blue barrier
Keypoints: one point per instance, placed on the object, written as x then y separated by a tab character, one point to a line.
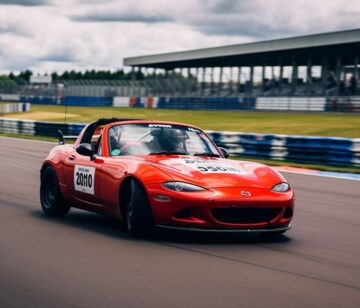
216	103
40	100
325	150
100	101
69	100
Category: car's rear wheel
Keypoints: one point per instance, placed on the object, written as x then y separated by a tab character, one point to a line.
139	220
51	199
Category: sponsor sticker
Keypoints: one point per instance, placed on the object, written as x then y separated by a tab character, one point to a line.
84	178
210	166
160	125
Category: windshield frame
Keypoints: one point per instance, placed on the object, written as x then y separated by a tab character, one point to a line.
106	149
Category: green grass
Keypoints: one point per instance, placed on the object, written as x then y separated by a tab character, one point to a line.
308	124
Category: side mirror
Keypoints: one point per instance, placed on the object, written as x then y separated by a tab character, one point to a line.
86	149
225	152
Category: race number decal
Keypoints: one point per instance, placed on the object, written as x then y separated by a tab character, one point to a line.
84	178
209	166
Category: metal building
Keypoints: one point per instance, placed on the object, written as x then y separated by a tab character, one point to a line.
312	65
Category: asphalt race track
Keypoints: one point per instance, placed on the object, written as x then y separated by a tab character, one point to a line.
86	260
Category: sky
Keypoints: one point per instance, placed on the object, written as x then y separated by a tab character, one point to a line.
58	35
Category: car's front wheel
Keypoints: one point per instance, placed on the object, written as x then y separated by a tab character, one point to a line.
51	199
139	220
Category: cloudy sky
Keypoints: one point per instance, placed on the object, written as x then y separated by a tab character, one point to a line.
49	35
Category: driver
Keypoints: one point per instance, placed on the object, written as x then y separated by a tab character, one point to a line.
172	139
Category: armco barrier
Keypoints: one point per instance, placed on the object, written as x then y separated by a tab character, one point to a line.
14	107
321	150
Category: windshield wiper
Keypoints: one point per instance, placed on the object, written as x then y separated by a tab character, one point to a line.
207	154
168	153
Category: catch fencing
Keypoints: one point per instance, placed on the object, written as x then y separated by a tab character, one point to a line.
320	150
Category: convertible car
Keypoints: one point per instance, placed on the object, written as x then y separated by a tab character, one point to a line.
162	174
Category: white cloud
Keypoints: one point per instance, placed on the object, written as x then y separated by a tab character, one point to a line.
59	35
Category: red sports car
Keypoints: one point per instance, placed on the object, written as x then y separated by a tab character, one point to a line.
163	174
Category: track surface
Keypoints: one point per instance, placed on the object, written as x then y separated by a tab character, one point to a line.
86	260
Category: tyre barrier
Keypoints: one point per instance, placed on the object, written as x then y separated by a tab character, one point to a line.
14	107
37	128
320	150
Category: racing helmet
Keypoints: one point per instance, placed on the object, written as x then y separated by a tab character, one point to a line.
172	139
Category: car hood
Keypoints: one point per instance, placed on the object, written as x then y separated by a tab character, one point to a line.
216	172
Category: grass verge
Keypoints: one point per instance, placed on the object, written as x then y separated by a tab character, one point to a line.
289	123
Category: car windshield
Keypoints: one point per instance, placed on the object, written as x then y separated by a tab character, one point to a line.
152	139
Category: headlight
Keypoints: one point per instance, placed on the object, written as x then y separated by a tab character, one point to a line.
182	186
282	187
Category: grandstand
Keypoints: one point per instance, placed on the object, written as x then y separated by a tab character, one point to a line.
312	65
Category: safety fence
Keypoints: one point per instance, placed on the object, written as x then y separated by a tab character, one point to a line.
312	104
320	150
14	107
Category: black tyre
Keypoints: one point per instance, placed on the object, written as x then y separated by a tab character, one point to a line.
51	199
139	220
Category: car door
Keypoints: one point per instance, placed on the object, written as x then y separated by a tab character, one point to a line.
83	178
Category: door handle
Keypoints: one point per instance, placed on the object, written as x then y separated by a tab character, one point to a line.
72	156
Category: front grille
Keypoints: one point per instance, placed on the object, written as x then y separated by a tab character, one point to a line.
245	215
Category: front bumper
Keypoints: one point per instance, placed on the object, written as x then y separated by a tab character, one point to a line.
222	209
271	230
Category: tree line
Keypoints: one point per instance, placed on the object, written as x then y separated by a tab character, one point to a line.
24	76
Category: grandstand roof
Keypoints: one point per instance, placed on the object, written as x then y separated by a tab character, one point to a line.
316	47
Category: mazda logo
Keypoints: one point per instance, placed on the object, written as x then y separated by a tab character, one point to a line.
245	193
